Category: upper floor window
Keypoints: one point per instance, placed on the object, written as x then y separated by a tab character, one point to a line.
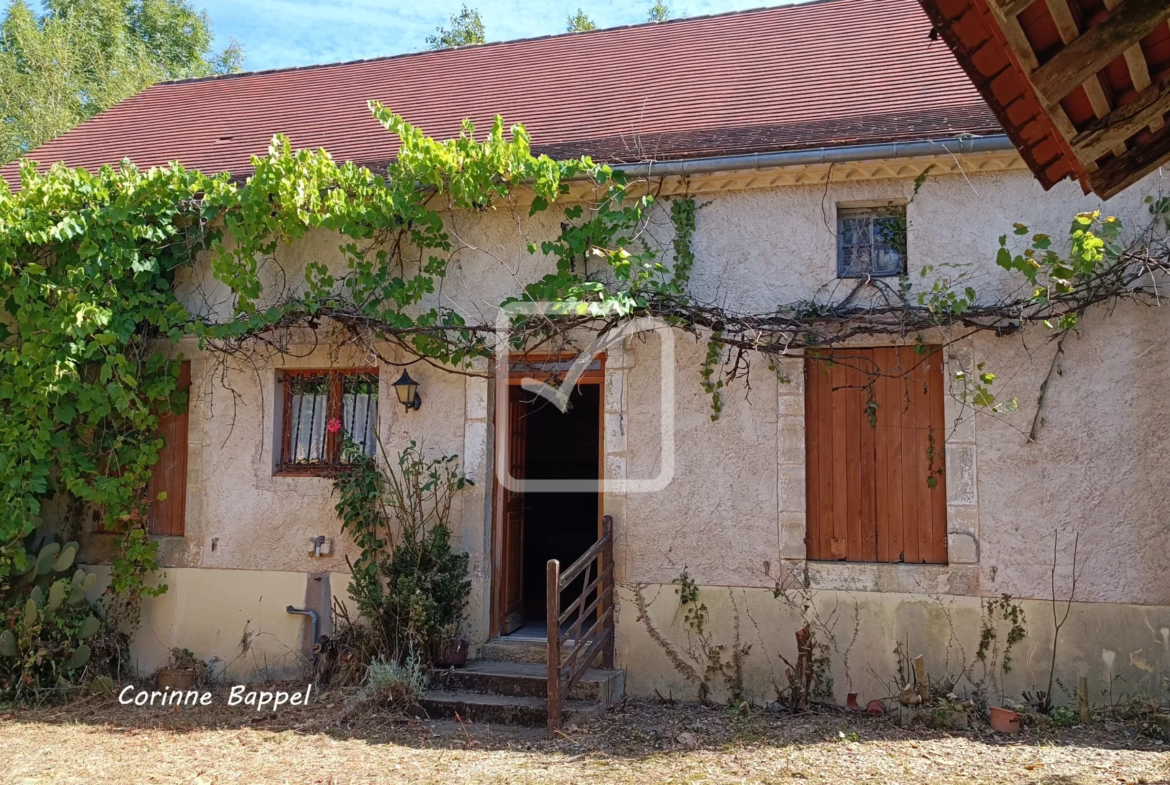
320	412
871	241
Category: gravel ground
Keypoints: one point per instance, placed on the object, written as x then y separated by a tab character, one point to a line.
338	740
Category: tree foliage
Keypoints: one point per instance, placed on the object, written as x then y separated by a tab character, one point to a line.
579	22
466	29
81	57
659	12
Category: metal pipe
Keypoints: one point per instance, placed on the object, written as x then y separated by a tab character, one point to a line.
822	155
312	614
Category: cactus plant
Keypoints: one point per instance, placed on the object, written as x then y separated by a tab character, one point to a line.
65	560
57	595
48	622
47	558
80	657
88	627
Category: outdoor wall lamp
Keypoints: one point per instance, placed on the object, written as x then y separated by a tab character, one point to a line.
407	391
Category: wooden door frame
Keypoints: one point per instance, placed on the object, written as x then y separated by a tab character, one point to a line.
500	418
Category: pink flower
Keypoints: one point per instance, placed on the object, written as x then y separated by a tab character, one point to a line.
334	425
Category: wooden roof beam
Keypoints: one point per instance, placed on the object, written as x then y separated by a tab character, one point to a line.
1123	171
1105	134
1139	69
1131	21
1069	31
1017	41
1010	8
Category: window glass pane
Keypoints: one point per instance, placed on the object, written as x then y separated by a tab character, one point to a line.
310	440
307	419
868	244
360	410
886	261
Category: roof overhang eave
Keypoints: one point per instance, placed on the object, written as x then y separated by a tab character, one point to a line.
953	145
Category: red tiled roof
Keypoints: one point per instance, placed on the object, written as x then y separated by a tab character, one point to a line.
1005	47
827	73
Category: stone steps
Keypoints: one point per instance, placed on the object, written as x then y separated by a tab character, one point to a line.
515	650
509	685
526	680
502	709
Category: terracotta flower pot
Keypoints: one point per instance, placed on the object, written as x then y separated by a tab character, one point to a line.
453	654
1004	720
176	678
851	702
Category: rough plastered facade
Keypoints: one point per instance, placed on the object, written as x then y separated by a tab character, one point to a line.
733	516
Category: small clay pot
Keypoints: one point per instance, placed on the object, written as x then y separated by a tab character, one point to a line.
876	708
453	654
851	702
1004	720
176	678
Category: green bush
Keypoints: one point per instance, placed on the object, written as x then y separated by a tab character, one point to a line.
421	598
409	586
393	684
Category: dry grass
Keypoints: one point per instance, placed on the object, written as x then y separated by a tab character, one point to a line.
337	740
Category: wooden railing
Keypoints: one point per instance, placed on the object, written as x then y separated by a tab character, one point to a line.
572	652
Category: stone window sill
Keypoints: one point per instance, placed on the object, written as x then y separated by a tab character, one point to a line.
101	547
888	578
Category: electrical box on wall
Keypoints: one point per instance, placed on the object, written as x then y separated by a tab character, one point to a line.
321	546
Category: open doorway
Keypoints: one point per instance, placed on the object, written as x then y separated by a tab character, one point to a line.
533	527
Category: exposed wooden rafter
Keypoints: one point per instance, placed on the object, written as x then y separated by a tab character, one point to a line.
1069	31
1029	57
1018	42
1139	69
1012	7
1130	21
1125	170
1105	134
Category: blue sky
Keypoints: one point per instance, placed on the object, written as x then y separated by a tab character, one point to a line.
282	33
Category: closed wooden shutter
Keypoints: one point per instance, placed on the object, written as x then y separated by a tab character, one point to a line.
169	475
875	433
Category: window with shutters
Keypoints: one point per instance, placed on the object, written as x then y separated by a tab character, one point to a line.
168	477
320	412
875	430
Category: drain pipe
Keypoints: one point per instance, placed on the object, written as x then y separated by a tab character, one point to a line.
312	614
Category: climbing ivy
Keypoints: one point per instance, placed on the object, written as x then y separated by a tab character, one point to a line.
90	264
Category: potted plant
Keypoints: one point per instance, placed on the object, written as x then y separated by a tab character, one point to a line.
1005	720
452	652
184	670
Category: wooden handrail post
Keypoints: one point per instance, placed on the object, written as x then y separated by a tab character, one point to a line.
607	564
553	609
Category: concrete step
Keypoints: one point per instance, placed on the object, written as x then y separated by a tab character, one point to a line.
525	679
514	650
507	710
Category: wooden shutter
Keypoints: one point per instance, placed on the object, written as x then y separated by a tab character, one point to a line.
875	432
169	475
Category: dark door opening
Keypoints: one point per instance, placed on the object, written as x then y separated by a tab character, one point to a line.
560	446
536	526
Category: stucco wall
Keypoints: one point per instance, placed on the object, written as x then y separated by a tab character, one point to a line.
733	513
1120	648
236	620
